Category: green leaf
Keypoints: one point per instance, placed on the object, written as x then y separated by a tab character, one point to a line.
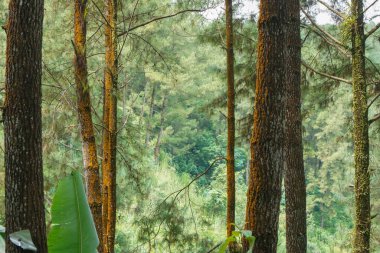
2	245
224	246
23	239
251	242
236	233
73	228
2	229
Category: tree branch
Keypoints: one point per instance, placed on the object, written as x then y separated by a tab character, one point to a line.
373	30
101	13
373	100
330	8
375	118
369	6
157	19
328	35
215	247
322	36
155	50
325	74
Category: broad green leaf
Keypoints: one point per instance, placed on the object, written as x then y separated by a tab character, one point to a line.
2	229
73	228
2	245
251	242
23	239
224	246
236	233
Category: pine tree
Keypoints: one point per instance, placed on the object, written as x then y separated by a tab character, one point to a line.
230	121
295	188
24	195
110	129
360	133
90	159
267	143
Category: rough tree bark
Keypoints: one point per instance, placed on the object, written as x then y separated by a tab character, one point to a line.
230	124
90	160
295	188
360	134
267	142
24	195
110	129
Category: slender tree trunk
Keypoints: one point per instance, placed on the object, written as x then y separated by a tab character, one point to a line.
151	112
142	111
110	129
158	142
360	135
295	188
230	124
90	160
24	195
267	143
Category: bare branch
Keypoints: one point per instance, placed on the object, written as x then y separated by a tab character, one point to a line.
375	118
331	43
330	8
215	247
155	50
372	31
373	100
369	6
101	13
157	19
328	35
325	74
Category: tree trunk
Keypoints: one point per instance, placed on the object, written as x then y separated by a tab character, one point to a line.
90	160
158	142
110	129
267	143
151	112
295	188
24	195
360	135
230	124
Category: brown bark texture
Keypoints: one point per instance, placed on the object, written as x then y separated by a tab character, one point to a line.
230	123
295	187
110	129
90	160
267	142
362	231
24	195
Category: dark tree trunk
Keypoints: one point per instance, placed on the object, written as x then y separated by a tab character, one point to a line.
360	134
90	158
110	129
295	188
24	195
230	124
267	143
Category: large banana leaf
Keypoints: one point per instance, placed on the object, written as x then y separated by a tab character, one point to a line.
73	228
2	245
2	242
